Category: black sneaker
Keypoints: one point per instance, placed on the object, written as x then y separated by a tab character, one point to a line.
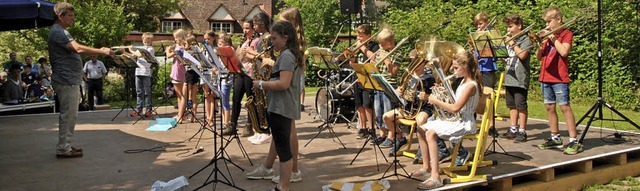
396	147
462	157
362	133
418	158
521	137
508	135
378	140
493	132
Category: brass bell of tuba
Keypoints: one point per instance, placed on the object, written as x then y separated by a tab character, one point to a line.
440	56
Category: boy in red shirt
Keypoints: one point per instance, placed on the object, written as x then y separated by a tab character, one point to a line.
554	79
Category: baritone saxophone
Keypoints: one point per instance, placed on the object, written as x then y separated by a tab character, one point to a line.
256	105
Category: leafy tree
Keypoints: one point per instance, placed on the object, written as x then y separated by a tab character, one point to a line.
98	24
619	38
145	15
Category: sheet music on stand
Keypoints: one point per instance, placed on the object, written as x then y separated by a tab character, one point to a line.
364	72
322	55
186	58
388	89
216	60
148	56
489	44
125	61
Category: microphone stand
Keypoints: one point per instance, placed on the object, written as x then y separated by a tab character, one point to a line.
337	34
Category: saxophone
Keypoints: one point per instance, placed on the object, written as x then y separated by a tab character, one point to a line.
256	105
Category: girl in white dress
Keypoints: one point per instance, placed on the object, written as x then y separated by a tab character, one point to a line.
466	97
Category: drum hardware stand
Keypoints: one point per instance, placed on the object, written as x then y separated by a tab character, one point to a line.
597	107
327	124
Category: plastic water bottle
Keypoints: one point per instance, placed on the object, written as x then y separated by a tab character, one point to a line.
189	104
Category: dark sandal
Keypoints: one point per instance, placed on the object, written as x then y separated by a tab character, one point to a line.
69	154
76	149
436	184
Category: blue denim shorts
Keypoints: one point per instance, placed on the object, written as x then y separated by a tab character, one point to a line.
555	92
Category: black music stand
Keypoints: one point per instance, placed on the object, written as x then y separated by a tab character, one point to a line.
489	44
218	154
126	63
323	55
364	73
395	99
224	73
165	98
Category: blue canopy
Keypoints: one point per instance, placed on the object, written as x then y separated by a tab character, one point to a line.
25	14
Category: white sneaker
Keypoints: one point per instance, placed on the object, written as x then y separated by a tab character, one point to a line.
254	137
295	177
261	173
264	138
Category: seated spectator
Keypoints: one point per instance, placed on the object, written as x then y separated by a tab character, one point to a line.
48	94
44	72
33	83
13	89
14	61
3	80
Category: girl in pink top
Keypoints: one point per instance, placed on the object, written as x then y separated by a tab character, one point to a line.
178	72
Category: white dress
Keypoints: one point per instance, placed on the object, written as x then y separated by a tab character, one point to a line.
455	130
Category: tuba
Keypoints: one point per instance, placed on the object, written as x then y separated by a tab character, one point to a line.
440	56
256	105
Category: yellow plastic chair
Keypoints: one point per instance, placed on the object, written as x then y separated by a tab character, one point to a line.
478	155
408	152
499	93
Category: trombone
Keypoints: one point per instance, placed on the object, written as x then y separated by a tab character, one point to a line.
348	52
537	38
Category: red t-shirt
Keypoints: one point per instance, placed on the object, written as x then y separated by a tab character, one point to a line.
228	57
555	68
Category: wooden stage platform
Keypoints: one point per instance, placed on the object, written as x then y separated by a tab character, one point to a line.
28	157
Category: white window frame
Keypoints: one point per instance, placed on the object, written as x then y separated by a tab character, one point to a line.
170	26
221	26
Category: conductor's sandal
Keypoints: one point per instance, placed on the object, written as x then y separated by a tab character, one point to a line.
69	154
430	184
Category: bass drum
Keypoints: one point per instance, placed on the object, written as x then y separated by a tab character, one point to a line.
331	104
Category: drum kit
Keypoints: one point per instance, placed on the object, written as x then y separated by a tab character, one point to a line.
335	101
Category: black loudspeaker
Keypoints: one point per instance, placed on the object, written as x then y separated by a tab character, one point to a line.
350	6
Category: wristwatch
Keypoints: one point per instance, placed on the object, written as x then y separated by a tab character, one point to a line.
260	84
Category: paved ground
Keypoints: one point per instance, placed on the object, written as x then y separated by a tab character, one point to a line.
28	154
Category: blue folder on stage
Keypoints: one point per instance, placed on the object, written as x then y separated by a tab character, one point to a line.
162	124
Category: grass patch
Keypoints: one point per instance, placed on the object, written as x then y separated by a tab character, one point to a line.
537	111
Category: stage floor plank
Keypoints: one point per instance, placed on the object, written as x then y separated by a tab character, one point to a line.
28	154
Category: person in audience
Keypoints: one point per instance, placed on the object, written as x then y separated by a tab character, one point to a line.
13	89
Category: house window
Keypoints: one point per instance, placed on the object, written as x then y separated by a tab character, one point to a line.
221	26
170	26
